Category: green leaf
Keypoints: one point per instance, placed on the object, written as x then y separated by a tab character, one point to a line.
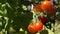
8	5
0	23
5	11
1	12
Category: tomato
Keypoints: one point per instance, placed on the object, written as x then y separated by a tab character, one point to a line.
48	7
36	8
39	26
35	27
40	9
43	19
32	28
52	11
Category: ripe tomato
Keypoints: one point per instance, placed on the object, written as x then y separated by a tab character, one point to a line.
40	8
39	26
43	19
52	11
48	7
35	8
32	28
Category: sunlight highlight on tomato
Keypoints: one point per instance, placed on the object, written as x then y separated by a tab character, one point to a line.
39	26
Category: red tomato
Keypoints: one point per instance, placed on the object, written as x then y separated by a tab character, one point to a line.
46	5
43	19
39	26
52	11
36	8
32	28
40	9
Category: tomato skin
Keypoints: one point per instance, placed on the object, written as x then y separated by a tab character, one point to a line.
52	11
32	28
46	5
43	19
36	8
40	8
39	26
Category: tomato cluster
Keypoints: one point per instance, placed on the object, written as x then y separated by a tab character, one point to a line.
33	28
47	8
